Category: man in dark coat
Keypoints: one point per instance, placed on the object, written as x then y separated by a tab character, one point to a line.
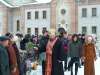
42	49
4	59
58	55
57	59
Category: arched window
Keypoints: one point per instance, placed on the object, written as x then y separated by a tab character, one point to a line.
18	25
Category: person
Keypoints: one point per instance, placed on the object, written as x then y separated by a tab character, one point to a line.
89	55
49	48
4	58
24	41
81	41
12	57
42	49
65	43
58	55
83	38
75	53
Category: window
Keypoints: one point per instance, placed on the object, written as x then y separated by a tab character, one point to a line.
44	29
94	29
63	11
44	14
84	12
28	15
84	30
94	12
36	14
29	30
18	25
36	31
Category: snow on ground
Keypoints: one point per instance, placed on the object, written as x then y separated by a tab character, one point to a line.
80	71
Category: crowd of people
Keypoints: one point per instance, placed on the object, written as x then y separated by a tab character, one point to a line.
50	51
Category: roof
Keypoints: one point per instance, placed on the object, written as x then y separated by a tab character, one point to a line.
5	3
28	3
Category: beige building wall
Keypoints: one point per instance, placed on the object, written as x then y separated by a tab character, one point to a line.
53	13
72	14
4	11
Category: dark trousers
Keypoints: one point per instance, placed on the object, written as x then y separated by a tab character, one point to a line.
65	63
70	65
43	67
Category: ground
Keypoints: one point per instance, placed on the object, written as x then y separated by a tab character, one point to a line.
80	72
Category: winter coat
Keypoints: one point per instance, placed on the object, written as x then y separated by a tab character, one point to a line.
42	48
42	44
17	56
90	55
57	58
49	48
4	61
12	60
75	49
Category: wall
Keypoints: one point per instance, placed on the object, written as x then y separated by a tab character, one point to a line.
89	21
39	23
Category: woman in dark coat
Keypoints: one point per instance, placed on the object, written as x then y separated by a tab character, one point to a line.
75	48
89	55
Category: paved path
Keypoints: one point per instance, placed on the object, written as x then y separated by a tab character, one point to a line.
80	72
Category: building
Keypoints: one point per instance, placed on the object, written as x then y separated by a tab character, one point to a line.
64	14
25	17
37	18
88	17
30	16
3	18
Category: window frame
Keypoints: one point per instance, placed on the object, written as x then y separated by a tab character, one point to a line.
29	31
29	15
84	30
36	15
18	25
94	13
84	12
44	14
94	27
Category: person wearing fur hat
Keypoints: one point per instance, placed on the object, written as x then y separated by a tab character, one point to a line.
89	56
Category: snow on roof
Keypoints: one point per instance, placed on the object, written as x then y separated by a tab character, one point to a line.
43	1
5	3
37	2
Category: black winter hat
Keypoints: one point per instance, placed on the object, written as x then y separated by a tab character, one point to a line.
61	30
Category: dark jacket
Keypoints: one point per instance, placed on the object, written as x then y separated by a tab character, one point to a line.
75	49
42	44
4	61
57	58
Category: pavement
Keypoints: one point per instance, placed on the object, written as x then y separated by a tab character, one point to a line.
80	71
